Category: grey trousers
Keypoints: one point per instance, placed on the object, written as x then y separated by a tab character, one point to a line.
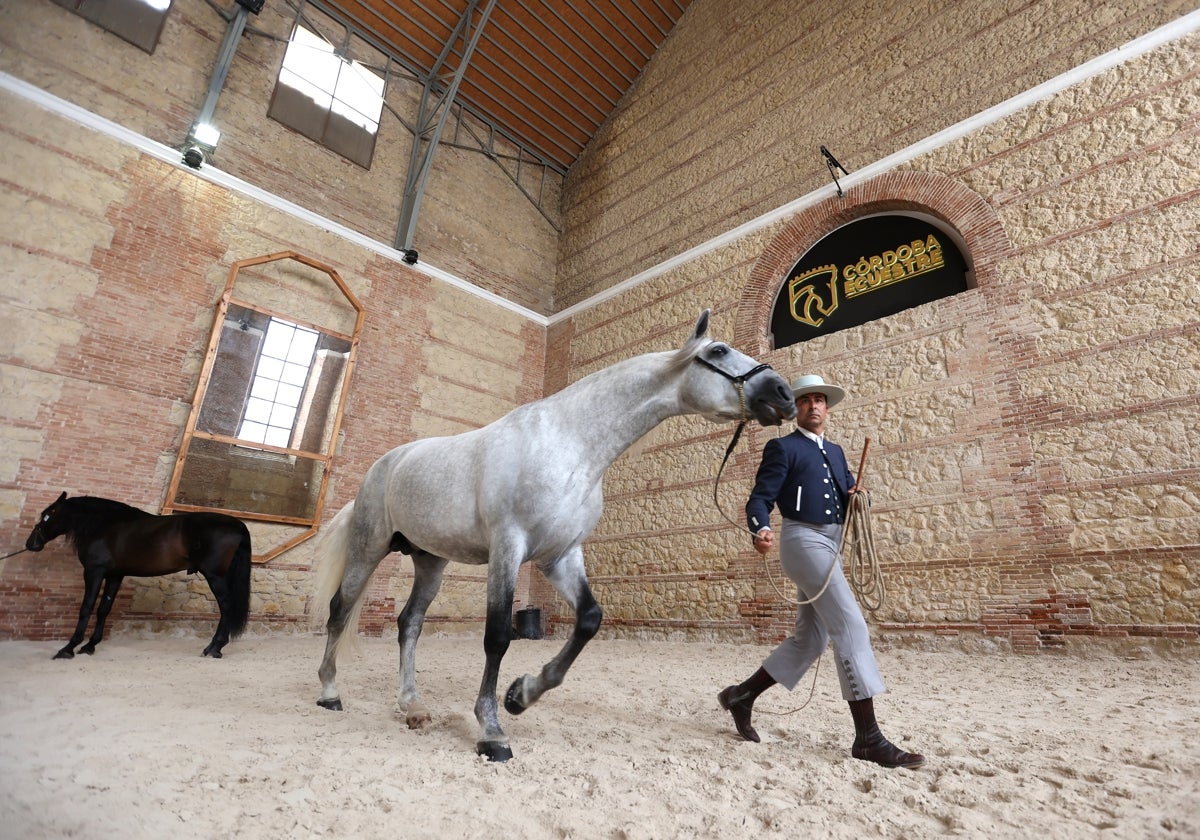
807	552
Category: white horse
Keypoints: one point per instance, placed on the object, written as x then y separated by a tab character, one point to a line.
525	488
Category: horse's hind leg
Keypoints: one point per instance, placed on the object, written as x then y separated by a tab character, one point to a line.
568	577
359	567
220	591
92	578
427	580
112	583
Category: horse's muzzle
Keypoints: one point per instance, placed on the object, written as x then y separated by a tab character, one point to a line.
771	414
772	401
35	541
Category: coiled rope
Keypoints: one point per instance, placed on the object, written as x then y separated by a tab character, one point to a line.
856	548
862	561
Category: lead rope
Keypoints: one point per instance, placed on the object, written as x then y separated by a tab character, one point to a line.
866	579
864	576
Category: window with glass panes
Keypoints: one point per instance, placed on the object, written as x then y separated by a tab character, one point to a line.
139	22
278	386
328	97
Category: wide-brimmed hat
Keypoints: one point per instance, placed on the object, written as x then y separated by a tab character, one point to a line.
810	383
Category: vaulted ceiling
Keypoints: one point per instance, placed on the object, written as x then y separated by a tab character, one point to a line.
547	73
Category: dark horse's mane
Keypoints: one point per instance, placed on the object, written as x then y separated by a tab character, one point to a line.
91	515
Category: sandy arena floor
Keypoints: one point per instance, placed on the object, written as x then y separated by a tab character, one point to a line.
146	739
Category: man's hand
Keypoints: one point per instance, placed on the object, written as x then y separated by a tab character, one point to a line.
763	541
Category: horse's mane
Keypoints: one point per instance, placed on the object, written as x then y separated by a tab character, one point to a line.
91	515
672	359
684	355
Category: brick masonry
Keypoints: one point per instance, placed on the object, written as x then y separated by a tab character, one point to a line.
1032	461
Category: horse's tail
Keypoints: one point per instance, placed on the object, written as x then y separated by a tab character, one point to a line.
330	563
237	579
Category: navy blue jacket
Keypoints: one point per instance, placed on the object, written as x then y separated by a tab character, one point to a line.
806	484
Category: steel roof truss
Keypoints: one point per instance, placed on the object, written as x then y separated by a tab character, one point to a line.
433	110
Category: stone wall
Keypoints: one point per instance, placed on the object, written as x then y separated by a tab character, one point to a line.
726	123
1031	463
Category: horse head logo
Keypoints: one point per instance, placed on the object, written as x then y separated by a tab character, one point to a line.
807	297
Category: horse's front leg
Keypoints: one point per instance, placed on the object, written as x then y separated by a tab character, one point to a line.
567	576
502	581
427	580
112	583
92	578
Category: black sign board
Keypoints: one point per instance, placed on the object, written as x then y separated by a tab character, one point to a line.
864	271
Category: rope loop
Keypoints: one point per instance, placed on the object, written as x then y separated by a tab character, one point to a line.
856	548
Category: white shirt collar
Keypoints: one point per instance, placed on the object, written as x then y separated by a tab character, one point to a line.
819	440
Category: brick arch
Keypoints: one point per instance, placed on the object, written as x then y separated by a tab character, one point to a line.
946	199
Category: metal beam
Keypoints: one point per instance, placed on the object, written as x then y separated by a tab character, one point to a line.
431	120
233	34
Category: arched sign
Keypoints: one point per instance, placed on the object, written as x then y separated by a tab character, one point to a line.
866	270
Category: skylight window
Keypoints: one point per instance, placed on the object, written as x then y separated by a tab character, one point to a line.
332	100
139	22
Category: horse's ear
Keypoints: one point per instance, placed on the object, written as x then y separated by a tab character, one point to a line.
695	341
60	498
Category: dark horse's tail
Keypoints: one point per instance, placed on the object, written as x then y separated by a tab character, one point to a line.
237	578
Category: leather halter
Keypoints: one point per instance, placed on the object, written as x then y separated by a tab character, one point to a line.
738	380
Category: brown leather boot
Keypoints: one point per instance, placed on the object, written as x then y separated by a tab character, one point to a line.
871	745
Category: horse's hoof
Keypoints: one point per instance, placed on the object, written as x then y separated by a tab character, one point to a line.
88	649
65	654
494	750
333	705
418	717
214	653
512	703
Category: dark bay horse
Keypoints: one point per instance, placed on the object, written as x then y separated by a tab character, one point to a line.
114	540
523	489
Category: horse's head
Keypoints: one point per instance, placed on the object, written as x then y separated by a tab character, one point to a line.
51	524
722	383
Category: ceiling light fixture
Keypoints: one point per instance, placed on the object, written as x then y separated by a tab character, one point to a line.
201	142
